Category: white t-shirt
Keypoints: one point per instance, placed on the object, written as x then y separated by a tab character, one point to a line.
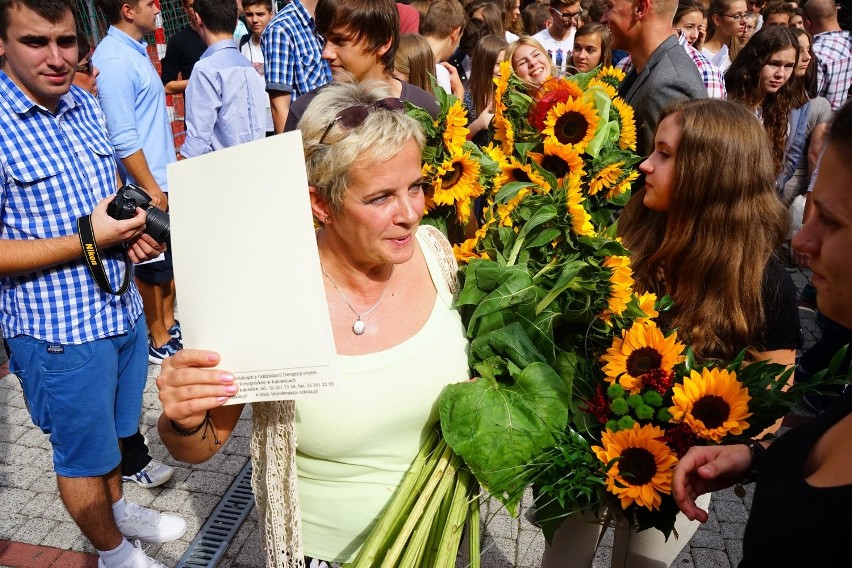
443	78
558	50
721	59
254	54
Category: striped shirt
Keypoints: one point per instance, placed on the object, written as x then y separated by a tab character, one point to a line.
55	168
292	53
834	70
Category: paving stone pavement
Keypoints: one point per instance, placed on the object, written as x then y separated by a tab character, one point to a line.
31	511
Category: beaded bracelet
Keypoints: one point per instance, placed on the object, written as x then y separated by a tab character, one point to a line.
187	433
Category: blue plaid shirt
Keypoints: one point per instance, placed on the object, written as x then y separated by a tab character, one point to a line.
292	54
56	168
833	51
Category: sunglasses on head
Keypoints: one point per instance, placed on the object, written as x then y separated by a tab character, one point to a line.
86	67
354	116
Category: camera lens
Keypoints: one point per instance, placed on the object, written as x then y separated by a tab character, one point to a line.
157	224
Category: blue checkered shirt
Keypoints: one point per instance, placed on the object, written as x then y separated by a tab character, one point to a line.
834	70
292	54
56	168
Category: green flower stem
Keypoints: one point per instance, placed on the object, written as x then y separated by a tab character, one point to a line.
453	526
427	503
473	526
395	514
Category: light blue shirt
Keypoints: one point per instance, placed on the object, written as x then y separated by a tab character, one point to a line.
225	101
134	102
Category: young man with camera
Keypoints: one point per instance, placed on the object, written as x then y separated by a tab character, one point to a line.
79	352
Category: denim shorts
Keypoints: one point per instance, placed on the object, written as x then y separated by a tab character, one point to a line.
84	396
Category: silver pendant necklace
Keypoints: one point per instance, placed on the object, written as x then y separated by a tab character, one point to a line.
359	327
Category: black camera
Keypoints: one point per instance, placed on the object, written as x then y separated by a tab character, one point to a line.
131	196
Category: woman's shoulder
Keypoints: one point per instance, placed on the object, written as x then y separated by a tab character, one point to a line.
439	254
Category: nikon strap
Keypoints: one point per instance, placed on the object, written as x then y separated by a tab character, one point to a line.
93	258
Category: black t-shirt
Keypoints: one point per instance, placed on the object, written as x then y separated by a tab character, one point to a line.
410	93
793	524
782	327
183	51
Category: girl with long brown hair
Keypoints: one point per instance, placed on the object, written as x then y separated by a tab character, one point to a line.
479	97
760	79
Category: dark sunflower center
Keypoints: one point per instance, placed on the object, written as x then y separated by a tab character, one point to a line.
452	177
521	175
643	360
571	128
556	165
637	466
712	410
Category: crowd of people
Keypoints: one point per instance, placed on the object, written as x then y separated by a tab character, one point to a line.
740	112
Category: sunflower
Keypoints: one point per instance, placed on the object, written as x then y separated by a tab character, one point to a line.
611	75
513	170
621	284
610	90
640	350
622	186
646	303
504	132
466	251
551	92
627	124
643	465
497	155
572	123
562	161
581	221
606	177
456	182
505	210
455	131
712	403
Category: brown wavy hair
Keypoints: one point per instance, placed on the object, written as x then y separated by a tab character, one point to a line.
724	222
481	84
742	80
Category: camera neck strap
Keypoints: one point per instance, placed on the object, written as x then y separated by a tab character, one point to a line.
93	258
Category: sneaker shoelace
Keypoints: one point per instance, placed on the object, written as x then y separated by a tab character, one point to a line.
135	513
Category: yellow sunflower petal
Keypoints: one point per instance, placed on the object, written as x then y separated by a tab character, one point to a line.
713	403
573	123
641	349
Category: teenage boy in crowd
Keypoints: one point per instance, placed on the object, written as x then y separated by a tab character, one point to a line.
182	52
558	39
442	27
258	13
133	100
78	351
361	38
226	97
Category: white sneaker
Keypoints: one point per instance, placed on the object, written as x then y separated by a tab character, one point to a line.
139	559
149	525
152	475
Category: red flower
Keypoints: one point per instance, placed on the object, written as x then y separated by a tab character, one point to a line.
552	92
680	438
659	380
598	406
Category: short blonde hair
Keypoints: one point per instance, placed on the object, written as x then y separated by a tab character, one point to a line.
381	136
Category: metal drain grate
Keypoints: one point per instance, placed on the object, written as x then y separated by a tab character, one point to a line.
214	537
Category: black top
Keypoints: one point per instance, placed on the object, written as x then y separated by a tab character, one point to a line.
782	328
793	524
183	50
410	93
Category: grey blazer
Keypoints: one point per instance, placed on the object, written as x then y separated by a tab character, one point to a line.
670	75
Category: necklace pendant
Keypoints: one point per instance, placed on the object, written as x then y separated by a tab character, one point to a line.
359	327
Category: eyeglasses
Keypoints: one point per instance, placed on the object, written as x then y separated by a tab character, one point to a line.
86	67
354	116
738	17
567	16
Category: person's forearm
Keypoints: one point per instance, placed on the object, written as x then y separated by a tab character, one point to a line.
279	101
137	167
176	87
202	445
26	256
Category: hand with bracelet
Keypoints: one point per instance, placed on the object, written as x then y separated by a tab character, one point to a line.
710	468
193	394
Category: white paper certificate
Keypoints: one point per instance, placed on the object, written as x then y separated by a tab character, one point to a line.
247	270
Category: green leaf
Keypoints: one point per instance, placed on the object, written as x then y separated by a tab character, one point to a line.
495	427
